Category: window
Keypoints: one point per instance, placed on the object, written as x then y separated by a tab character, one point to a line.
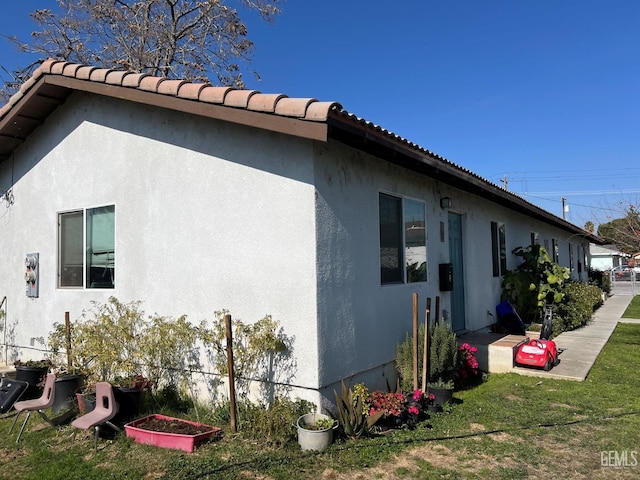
535	238
403	244
555	254
571	257
86	248
498	248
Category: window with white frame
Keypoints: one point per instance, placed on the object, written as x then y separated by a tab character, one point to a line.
403	241
86	248
499	248
555	251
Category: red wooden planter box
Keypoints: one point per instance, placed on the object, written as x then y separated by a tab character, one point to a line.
176	441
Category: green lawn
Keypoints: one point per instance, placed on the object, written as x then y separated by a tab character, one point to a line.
633	310
508	427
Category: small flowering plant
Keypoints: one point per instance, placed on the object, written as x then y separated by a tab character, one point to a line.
399	409
467	363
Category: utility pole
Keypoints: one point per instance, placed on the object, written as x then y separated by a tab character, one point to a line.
564	209
504	181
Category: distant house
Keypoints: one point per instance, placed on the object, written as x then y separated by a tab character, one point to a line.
605	257
194	198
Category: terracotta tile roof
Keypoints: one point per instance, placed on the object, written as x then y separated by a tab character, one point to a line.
252	100
306	117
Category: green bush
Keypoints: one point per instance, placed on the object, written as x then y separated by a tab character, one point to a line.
577	306
273	424
443	356
527	286
404	359
600	279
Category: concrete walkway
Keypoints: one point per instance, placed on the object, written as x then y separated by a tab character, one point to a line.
581	347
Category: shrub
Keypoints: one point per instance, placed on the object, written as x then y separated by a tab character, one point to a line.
273	423
600	279
443	354
528	285
577	306
404	359
443	357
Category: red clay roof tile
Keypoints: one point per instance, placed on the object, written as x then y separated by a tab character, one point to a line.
293	107
150	84
319	111
58	67
70	69
214	94
264	102
100	74
134	79
170	87
191	91
84	73
239	98
116	77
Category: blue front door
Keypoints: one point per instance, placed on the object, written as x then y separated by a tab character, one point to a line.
455	257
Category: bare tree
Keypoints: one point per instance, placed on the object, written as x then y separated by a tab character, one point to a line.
187	39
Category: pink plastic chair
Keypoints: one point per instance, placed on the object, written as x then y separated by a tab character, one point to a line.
38	404
106	409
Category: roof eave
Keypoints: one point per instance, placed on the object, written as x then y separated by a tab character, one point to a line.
380	143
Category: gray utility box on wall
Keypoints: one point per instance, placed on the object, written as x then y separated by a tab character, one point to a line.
32	263
446	277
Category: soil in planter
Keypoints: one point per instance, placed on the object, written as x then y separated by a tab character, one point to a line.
173	426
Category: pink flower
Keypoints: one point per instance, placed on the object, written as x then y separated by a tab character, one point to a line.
414	410
417	395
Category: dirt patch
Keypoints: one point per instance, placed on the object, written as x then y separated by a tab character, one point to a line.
513	398
173	426
7	455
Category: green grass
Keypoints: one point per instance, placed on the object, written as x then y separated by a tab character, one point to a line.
633	310
509	427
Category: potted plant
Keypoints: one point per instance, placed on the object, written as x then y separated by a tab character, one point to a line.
315	431
68	381
32	372
86	398
130	392
442	363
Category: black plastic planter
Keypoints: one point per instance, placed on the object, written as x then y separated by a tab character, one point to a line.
65	393
34	377
129	404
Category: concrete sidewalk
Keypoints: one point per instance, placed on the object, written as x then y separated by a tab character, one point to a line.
581	347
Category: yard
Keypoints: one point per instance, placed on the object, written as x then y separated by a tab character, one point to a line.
509	426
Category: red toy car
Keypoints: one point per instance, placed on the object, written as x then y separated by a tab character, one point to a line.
538	353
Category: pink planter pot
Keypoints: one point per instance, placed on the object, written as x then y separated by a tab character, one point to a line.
176	441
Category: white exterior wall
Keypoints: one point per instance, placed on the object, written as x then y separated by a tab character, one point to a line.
209	216
213	216
361	322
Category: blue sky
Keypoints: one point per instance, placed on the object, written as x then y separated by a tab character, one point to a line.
544	93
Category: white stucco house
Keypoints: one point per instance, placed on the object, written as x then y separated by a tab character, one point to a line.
194	198
605	257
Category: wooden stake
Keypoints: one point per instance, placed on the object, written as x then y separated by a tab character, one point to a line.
232	385
67	331
425	357
415	341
